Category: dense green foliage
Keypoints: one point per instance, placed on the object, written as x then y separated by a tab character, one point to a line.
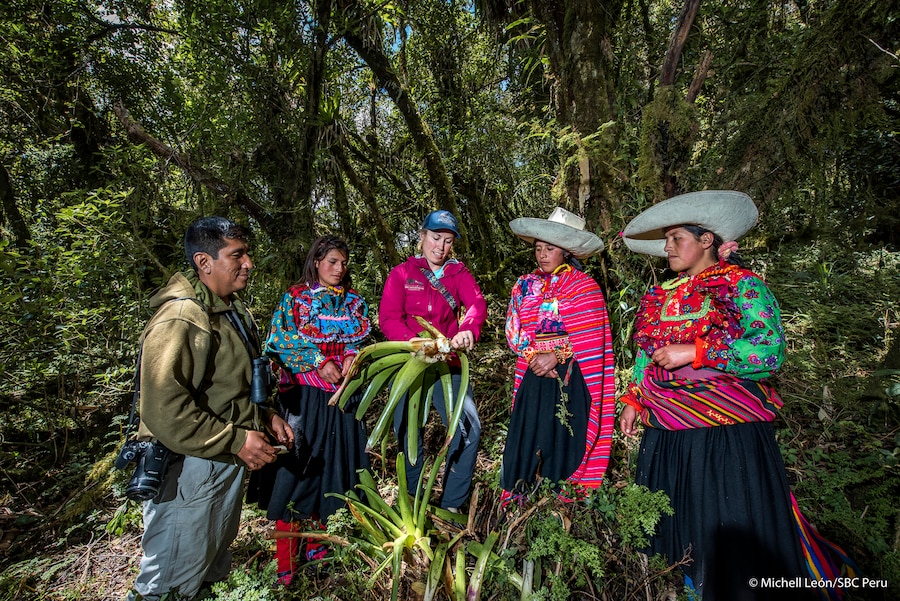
122	121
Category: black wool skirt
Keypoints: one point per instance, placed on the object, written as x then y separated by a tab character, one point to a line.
538	442
732	505
329	447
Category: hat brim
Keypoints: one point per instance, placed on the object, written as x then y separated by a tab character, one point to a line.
728	213
580	243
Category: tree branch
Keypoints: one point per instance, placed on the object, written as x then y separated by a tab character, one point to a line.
677	41
138	135
382	231
108	27
378	61
699	76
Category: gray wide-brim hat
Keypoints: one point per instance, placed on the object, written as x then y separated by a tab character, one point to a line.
727	213
562	229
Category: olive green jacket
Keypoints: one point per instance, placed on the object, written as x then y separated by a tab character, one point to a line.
195	372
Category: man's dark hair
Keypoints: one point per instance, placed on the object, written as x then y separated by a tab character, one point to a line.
321	247
208	235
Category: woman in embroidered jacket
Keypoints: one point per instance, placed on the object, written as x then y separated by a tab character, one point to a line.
316	331
437	287
708	342
564	393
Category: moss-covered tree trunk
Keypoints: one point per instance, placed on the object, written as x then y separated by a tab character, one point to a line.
669	123
579	47
364	37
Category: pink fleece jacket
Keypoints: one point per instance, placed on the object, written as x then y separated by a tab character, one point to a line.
407	293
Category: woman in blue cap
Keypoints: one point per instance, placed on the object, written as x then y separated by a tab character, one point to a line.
435	286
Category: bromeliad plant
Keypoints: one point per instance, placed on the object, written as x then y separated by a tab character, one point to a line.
410	368
404	534
401	533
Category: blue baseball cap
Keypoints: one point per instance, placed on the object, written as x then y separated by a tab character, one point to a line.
441	220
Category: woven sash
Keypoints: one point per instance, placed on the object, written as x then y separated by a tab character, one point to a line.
827	563
433	279
722	400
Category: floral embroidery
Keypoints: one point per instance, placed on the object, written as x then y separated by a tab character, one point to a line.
316	324
666	316
550	332
744	337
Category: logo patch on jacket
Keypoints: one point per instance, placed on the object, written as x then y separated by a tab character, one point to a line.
413	285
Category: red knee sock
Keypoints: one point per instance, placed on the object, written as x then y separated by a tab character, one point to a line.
314	547
286	551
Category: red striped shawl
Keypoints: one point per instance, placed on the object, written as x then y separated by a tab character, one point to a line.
722	400
583	312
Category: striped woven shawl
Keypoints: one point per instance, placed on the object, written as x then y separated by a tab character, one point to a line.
583	311
721	400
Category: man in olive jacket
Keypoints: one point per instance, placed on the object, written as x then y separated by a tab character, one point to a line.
196	369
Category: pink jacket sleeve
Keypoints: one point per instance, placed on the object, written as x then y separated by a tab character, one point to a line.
473	300
391	309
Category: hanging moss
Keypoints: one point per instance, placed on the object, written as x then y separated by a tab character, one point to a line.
668	128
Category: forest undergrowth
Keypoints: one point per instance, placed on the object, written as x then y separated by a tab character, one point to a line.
66	531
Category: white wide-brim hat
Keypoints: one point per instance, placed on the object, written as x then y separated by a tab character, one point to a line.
563	229
727	213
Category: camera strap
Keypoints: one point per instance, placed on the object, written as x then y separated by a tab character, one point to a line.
235	318
238	324
133	419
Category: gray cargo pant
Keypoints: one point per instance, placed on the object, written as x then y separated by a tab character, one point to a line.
188	528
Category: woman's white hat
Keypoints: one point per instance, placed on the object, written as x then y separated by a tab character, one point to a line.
727	213
563	229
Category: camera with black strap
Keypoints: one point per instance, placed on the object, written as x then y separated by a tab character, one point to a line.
151	458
